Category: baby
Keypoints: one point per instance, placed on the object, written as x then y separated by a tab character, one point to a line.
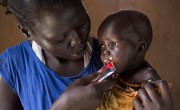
125	37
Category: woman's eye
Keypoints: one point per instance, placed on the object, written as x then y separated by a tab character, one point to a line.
82	25
62	38
59	41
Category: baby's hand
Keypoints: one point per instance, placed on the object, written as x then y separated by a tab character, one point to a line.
155	95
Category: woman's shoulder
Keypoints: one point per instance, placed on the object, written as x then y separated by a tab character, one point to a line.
18	47
14	53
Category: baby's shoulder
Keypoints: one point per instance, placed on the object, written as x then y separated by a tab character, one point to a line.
149	72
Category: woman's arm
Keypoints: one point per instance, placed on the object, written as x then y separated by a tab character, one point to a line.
83	94
8	99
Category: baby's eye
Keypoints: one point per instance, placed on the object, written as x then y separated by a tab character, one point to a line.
113	45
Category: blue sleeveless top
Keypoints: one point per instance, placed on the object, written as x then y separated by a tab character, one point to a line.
37	85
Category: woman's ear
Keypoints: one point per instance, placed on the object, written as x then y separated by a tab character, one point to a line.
25	32
142	47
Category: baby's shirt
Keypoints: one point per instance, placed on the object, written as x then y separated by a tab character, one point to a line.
37	85
116	99
120	96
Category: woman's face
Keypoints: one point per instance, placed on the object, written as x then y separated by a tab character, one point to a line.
63	32
118	47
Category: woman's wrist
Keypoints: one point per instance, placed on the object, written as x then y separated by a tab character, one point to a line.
60	104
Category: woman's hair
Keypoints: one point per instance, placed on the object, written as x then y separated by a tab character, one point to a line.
18	8
26	10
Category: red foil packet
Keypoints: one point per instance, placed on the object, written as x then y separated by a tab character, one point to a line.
106	71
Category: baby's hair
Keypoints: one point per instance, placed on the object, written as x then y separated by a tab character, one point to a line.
140	22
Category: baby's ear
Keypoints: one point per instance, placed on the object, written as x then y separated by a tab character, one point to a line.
25	32
141	50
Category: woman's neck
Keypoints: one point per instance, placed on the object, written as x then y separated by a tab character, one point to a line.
63	66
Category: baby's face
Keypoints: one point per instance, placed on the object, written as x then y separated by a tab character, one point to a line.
63	32
118	48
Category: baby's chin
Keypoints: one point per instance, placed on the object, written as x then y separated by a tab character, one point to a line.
120	68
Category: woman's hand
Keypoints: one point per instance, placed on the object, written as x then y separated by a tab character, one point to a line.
155	95
83	94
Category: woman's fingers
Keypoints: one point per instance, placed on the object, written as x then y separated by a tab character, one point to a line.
154	95
163	89
138	104
144	97
87	80
152	92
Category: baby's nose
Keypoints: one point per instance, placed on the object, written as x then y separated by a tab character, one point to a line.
105	56
105	53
